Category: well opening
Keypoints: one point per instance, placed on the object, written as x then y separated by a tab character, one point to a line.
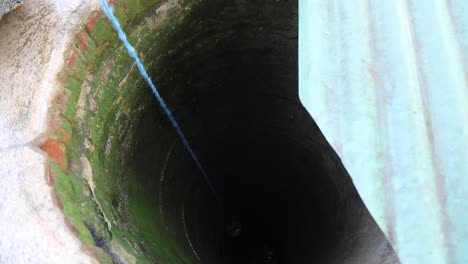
228	71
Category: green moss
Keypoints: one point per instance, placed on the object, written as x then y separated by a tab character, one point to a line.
91	50
78	69
116	93
103	32
70	192
102	256
74	87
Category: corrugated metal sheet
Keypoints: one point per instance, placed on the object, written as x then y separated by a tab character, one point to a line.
387	82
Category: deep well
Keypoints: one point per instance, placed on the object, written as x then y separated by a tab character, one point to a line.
228	71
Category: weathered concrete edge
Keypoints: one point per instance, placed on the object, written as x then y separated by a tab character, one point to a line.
32	227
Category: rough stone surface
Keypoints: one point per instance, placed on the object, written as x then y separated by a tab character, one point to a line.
32	228
32	44
9	5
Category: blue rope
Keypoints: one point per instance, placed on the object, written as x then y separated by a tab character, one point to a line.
132	52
